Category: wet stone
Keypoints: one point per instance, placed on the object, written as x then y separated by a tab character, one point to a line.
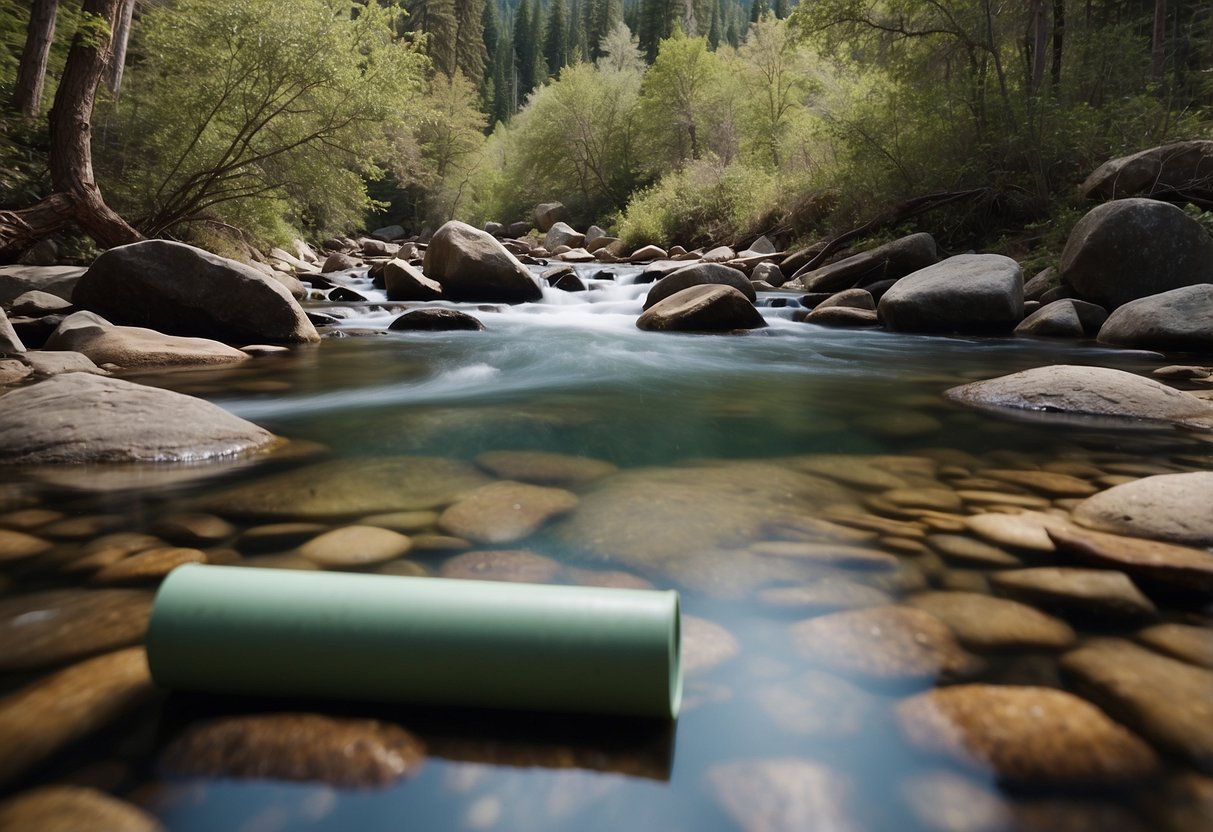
969	551
827	554
1185	642
404	568
706	644
732	574
71	808
516	566
884	645
280	560
1178	566
194	529
150	566
440	543
82	528
607	578
1167	701
59	709
782	794
109	549
29	519
984	623
1172	507
346	753
56	626
544	468
939	499
854	471
16	546
354	546
1027	530
504	512
1051	484
1025	734
1000	498
823	595
404	522
817	706
276	537
1087	593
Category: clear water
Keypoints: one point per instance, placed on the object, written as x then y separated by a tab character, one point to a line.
573	374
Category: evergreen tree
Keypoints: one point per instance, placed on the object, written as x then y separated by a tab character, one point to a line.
714	28
556	42
471	55
757	10
657	19
782	9
524	51
539	62
437	20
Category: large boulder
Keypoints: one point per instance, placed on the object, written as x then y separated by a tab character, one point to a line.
1178	170
1181	319
1067	318
84	418
699	274
182	290
1087	391
1132	248
547	214
562	234
473	266
132	347
704	308
970	293
388	233
403	282
57	280
891	260
1174	507
10	344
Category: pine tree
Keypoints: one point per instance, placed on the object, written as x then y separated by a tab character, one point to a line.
714	28
471	55
539	63
524	50
556	42
782	9
437	19
757	10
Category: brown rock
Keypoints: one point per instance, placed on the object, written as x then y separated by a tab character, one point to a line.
544	468
967	550
149	566
826	594
709	308
194	529
402	521
20	546
47	628
503	512
72	809
1173	507
782	794
1027	530
353	546
827	554
519	566
1046	482
276	537
1186	642
984	623
132	347
1179	566
1096	593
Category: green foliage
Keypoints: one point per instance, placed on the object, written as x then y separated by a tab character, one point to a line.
680	92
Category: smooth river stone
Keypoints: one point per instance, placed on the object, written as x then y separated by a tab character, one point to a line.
971	552
1028	530
1167	701
777	795
109	549
350	488
276	537
46	628
16	546
28	519
1186	642
405	522
342	752
194	529
732	575
1168	563
885	645
83	528
150	566
1025	734
706	644
59	709
825	594
827	554
504	512
354	546
984	623
1049	483
855	471
1173	507
72	809
1095	593
514	566
816	705
544	468
939	499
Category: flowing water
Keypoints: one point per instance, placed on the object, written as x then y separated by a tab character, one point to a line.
790	435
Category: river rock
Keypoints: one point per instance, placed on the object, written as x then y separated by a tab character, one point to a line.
817	706
825	594
842	317
769	273
886	645
133	347
10	344
78	417
547	214
827	554
15	546
1164	563
1172	507
970	552
149	566
350	488
782	794
436	320
72	809
1180	319
60	625
1172	171
1133	248
892	260
562	234
543	467
276	537
503	512
699	274
1049	483
403	282
984	623
1027	530
514	566
1186	642
1088	593
388	233
705	645
1167	701
969	293
56	280
647	254
338	261
59	709
711	308
339	751
1063	319
1030	735
48	363
182	290
471	265
1086	391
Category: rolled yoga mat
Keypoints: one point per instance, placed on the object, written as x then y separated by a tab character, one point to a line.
277	632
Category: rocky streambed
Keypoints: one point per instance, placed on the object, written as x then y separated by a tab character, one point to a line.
914	597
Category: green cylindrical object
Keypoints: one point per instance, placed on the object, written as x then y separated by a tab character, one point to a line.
383	638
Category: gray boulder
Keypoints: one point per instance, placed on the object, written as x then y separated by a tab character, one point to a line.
495	228
548	214
968	293
182	290
1044	280
57	280
56	362
133	347
388	233
699	274
1087	391
562	234
843	317
471	265
891	260
10	344
702	308
761	246
338	261
518	229
403	282
1067	318
1172	170
593	233
82	418
1132	248
1174	507
1181	319
436	320
646	254
36	304
770	273
853	298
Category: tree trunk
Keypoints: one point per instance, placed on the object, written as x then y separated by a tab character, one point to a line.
1156	43
1059	34
76	196
1039	36
117	62
31	75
